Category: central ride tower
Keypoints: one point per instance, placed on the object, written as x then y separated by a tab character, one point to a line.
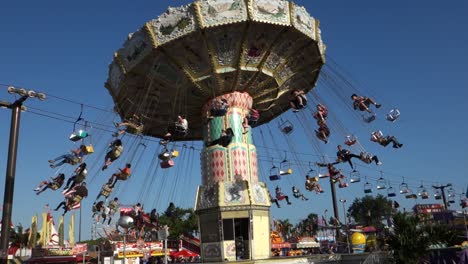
252	53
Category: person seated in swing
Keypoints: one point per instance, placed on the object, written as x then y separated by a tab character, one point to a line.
225	139
122	174
274	200
106	190
367	158
297	194
219	107
165	139
79	175
335	174
298	101
54	184
73	198
105	212
114	206
312	184
73	158
323	132
377	136
132	125
321	114
363	103
115	150
344	155
97	208
181	125
154	217
281	196
250	120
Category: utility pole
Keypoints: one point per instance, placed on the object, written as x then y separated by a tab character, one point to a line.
335	205
442	190
343	201
16	108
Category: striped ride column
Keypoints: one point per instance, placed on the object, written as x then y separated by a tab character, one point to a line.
237	161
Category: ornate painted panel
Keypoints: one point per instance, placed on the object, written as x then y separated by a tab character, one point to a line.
221	12
174	23
135	49
270	11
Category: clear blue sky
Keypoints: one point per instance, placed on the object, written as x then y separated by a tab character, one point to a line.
408	54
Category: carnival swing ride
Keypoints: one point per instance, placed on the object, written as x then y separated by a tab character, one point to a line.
212	71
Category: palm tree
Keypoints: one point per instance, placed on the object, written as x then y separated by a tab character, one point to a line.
370	210
409	241
285	229
308	226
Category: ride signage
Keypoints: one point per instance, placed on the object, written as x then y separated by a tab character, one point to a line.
138	250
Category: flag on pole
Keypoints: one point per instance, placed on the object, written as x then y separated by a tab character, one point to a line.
33	233
60	232
43	236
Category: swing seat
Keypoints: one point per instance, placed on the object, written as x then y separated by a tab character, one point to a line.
105	193
437	196
343	185
392	194
355	177
424	195
89	149
286	172
219	112
321	176
393	115
369	117
350	142
167	164
367	190
381	187
79	135
275	177
165	156
287	129
411	196
175	153
354	180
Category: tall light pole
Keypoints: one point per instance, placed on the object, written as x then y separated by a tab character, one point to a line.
343	202
125	222
16	108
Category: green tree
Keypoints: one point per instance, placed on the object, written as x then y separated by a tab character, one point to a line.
440	233
180	221
370	210
18	237
308	226
409	241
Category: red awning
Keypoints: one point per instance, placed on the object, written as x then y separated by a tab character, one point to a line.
183	253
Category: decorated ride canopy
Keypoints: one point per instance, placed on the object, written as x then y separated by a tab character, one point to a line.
174	64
